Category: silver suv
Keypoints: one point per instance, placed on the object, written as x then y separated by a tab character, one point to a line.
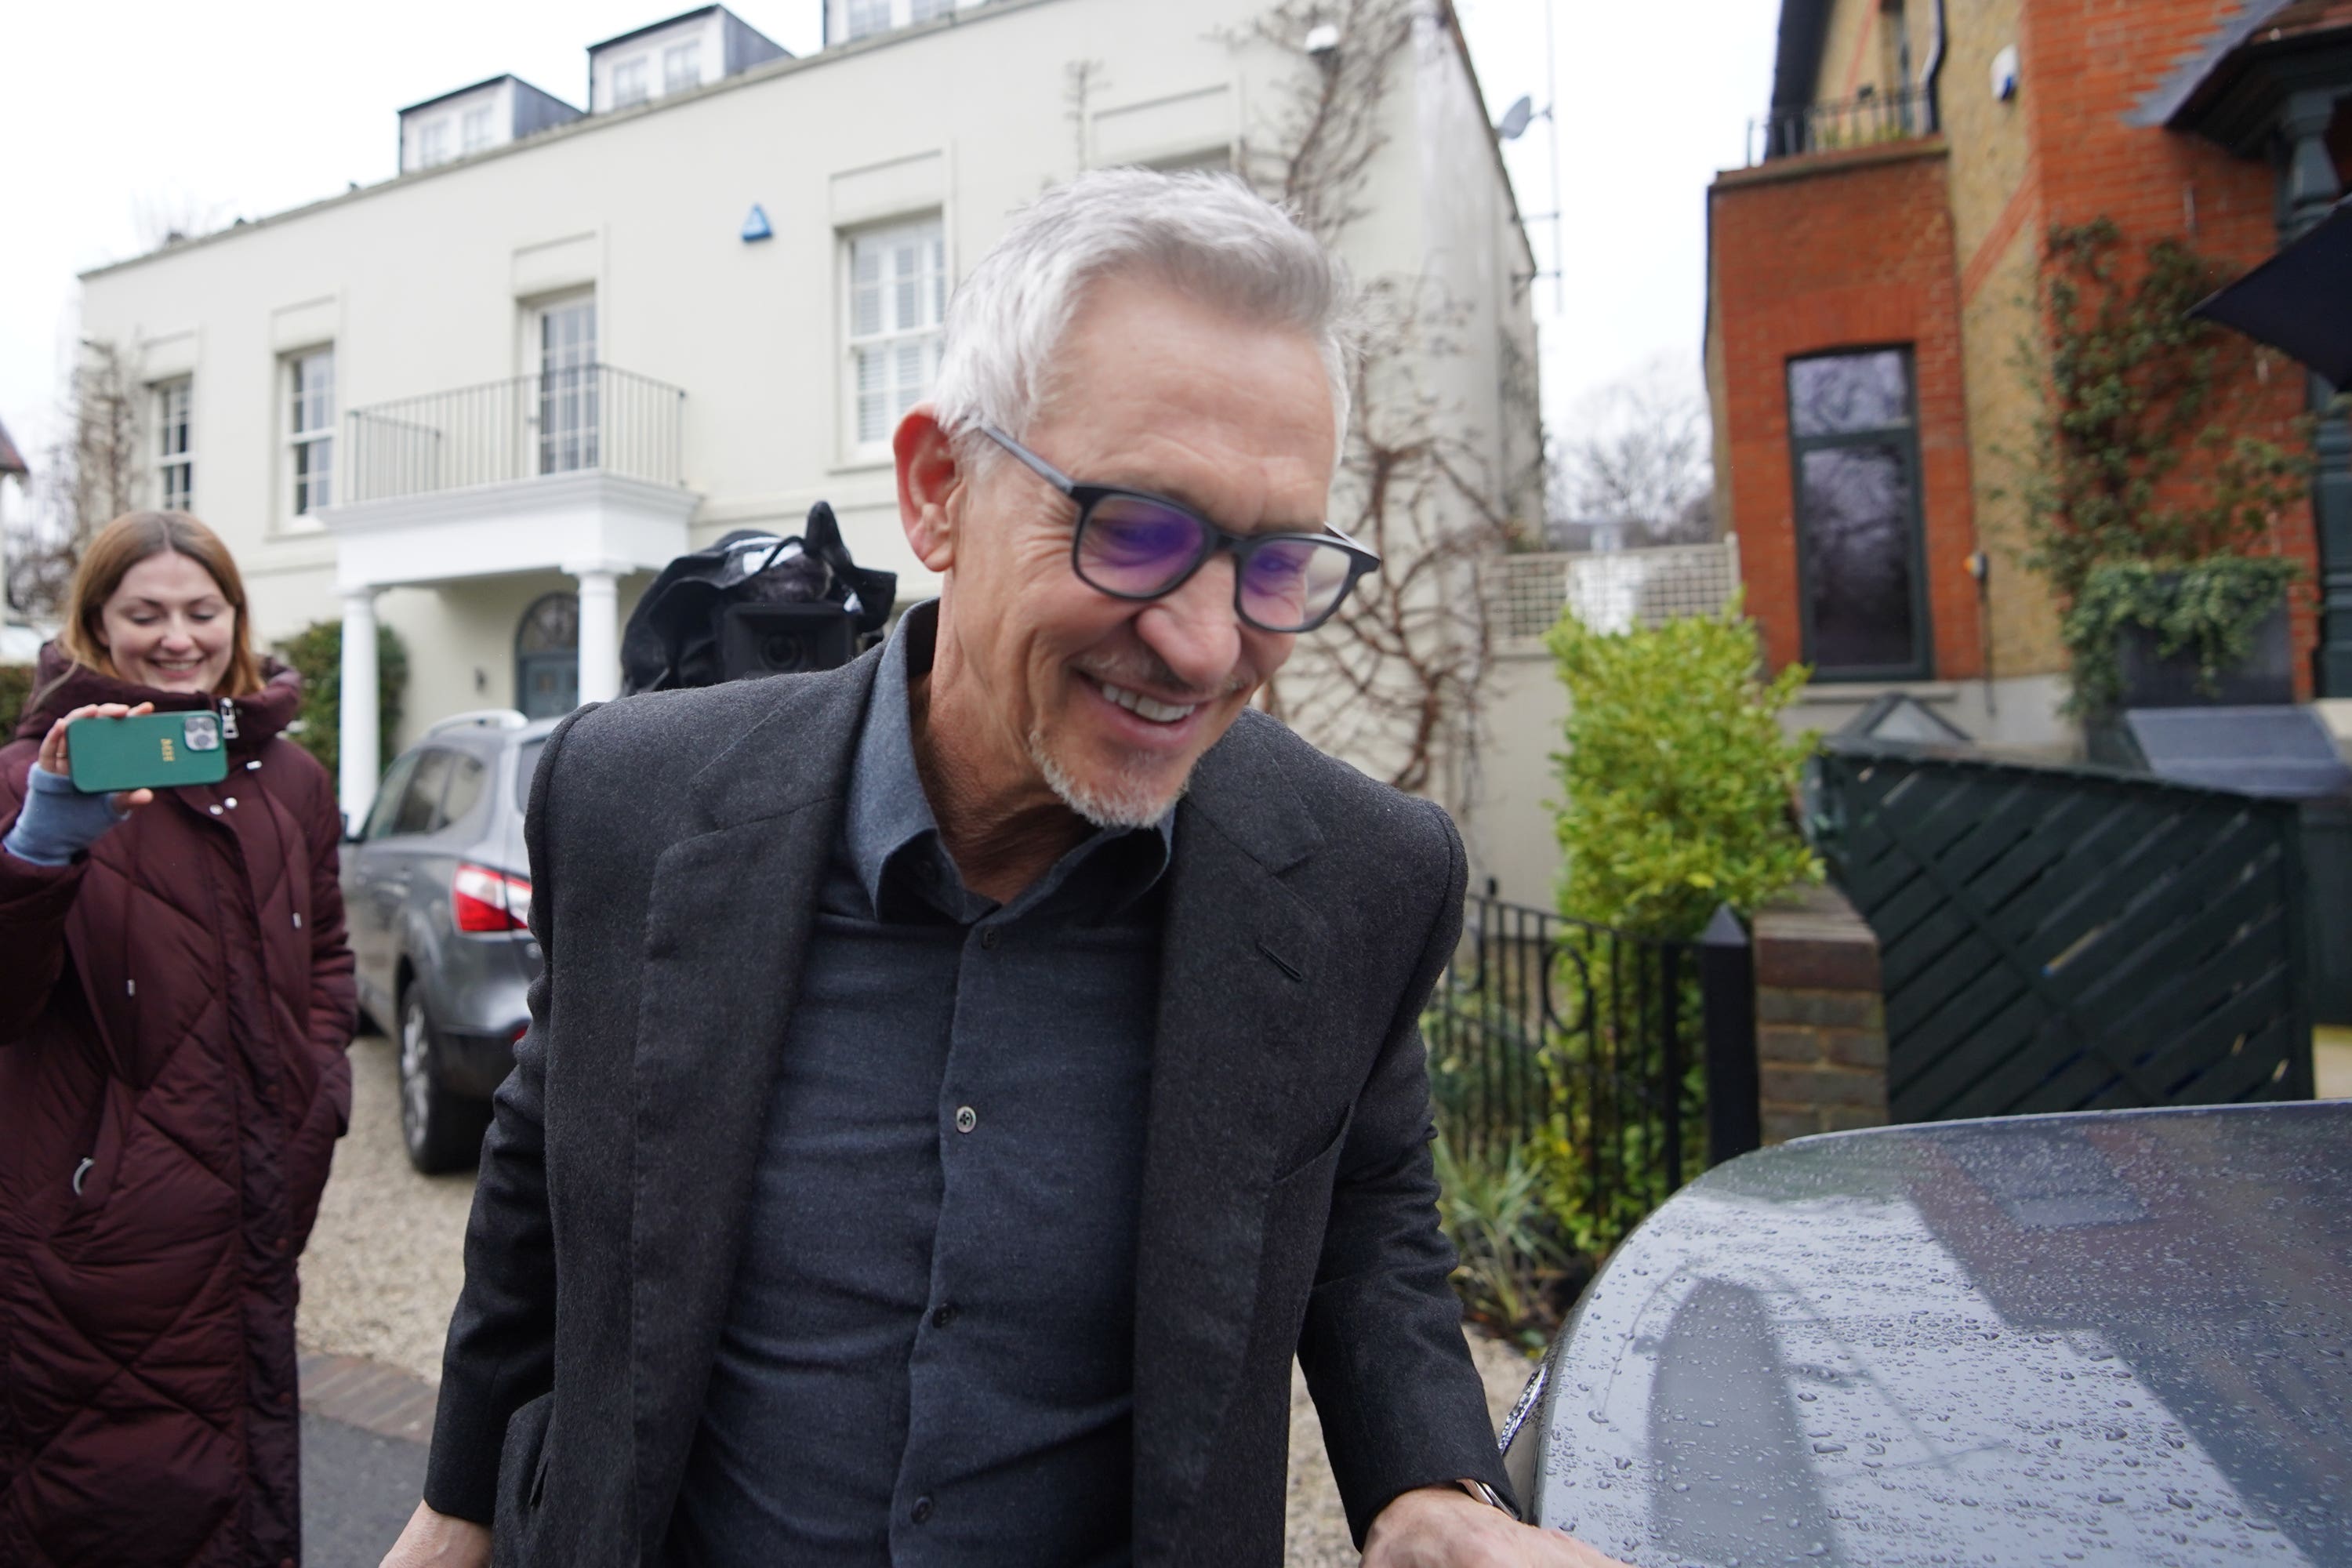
436	895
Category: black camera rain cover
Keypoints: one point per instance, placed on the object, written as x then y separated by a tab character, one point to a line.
672	638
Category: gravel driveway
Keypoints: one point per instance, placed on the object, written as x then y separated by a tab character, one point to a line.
387	1256
384	1264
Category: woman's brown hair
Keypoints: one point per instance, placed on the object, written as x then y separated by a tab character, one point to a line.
124	544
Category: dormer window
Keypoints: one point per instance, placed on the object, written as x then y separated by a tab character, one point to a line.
629	85
476	119
674	56
866	17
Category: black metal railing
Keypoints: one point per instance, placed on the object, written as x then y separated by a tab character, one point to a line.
589	417
1860	122
1636	1057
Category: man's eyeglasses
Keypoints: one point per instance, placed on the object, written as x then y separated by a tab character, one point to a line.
1132	544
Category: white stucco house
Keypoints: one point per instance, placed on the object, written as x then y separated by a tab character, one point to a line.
484	400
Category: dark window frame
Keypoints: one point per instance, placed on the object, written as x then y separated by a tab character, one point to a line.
1904	438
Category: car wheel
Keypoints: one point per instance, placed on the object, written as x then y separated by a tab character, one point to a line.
441	1128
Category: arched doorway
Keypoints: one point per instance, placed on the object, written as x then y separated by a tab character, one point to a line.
547	657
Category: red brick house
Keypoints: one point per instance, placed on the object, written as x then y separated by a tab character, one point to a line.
1871	281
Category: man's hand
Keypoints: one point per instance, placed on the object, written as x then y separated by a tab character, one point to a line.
438	1540
1444	1527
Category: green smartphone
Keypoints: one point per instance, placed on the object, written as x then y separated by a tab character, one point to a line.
154	750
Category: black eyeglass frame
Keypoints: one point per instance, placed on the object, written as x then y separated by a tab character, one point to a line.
1240	546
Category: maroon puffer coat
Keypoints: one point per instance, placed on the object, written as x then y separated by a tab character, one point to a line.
173	1011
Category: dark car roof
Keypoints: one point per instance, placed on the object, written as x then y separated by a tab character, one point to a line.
2113	1337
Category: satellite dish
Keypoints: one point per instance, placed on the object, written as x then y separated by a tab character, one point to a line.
1515	120
1322	39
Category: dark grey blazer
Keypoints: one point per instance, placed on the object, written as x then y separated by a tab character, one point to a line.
675	846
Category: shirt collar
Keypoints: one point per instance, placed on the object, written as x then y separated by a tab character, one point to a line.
887	811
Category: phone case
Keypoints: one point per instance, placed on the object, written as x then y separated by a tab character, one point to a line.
154	750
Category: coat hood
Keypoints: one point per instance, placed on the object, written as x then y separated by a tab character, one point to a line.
60	686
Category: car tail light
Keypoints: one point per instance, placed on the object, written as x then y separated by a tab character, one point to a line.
486	900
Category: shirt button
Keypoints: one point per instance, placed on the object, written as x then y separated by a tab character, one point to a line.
230	803
921	1512
943	1314
988	938
214	810
966	1119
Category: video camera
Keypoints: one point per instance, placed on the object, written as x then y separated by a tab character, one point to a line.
752	605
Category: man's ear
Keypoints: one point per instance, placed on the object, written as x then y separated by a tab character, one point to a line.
927	480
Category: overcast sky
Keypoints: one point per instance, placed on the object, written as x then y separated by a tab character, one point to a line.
120	118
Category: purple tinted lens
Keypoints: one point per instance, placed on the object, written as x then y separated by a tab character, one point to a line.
1290	582
1131	545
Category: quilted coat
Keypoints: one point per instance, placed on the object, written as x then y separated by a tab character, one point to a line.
175	1007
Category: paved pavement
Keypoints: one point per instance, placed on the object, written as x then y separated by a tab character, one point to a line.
358	1489
363	1431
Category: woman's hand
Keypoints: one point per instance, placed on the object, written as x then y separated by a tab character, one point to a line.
54	759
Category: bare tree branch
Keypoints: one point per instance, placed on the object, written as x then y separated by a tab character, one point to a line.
1641	459
1396	681
93	474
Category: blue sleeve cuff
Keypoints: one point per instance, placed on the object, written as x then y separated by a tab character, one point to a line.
58	821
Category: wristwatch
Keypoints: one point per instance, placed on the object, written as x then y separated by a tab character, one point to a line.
1486	1494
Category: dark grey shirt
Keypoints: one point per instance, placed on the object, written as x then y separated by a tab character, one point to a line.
928	1355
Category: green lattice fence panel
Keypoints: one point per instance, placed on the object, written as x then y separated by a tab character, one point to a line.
2056	939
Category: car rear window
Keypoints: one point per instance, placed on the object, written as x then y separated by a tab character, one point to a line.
526	764
464	791
420	804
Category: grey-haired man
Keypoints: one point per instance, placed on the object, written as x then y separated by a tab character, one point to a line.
964	1080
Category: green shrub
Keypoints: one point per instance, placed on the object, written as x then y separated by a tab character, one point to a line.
1678	783
15	691
317	650
1677	790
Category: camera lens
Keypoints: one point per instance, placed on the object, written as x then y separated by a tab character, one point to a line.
783	651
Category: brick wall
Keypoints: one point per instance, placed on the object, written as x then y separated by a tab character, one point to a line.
1841	251
2085	65
1821	1027
1934	242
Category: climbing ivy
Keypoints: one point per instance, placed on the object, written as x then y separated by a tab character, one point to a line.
2141	461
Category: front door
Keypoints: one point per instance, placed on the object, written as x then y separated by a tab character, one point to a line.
568	404
547	658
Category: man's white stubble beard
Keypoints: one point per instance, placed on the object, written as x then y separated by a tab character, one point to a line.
1130	800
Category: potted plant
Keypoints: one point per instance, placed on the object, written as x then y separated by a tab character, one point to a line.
2156	634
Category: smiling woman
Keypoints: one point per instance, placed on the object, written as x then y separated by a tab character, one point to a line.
159	602
174	1010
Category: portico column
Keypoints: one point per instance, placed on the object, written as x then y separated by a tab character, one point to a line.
599	633
2310	192
360	766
